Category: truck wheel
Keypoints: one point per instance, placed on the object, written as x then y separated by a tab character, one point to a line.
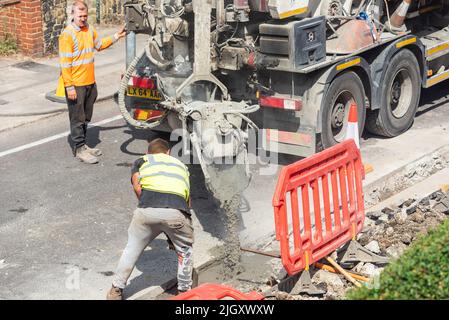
343	91
400	94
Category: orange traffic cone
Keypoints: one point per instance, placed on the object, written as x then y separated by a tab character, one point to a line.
398	17
352	132
59	94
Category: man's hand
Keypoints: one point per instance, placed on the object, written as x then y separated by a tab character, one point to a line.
136	184
120	34
71	94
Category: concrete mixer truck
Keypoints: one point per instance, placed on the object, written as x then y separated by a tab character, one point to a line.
218	70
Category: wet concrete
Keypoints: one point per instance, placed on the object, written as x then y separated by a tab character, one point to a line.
254	271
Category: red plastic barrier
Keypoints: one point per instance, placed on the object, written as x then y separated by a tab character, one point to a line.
332	178
211	291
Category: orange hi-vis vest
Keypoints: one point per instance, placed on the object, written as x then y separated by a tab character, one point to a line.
76	54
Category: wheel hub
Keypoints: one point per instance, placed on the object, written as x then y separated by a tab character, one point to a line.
396	92
338	115
400	95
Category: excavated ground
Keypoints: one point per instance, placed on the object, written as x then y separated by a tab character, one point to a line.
387	232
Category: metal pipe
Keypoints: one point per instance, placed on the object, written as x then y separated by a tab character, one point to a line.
262	253
130	48
220	9
202	44
202	63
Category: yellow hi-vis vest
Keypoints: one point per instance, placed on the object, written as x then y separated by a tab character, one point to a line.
165	174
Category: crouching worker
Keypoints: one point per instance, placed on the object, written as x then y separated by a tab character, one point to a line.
161	184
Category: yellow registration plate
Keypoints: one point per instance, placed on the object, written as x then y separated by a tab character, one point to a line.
144	93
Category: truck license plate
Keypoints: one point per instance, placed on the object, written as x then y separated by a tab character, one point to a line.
144	93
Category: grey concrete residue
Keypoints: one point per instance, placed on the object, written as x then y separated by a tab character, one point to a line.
232	243
228	183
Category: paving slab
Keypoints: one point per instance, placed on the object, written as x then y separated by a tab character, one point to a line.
417	191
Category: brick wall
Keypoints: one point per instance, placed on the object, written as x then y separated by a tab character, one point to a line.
37	24
23	19
9	19
31	27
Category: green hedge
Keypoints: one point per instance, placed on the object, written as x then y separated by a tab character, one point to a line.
422	272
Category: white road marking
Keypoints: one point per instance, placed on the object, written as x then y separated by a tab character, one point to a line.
53	138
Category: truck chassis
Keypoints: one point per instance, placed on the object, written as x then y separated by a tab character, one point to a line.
219	69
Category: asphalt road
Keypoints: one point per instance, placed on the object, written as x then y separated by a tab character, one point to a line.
63	224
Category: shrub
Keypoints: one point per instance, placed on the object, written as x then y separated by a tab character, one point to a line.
422	272
8	45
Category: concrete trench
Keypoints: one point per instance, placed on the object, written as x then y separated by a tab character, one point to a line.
256	272
260	273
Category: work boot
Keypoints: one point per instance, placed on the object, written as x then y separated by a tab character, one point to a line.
115	294
93	151
83	155
178	292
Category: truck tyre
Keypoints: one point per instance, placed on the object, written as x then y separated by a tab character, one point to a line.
400	93
344	90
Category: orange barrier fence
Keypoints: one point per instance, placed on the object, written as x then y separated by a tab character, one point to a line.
211	291
322	197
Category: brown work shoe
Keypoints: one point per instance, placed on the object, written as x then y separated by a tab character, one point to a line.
115	294
83	155
93	151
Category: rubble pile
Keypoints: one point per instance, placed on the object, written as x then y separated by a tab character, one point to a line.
387	232
395	228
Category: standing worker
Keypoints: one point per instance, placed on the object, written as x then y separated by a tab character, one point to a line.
161	184
77	44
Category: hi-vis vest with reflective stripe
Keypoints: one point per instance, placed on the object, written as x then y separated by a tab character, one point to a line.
166	174
76	54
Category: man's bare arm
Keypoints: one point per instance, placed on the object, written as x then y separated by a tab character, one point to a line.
136	184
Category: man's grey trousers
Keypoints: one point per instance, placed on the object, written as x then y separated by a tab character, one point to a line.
146	225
